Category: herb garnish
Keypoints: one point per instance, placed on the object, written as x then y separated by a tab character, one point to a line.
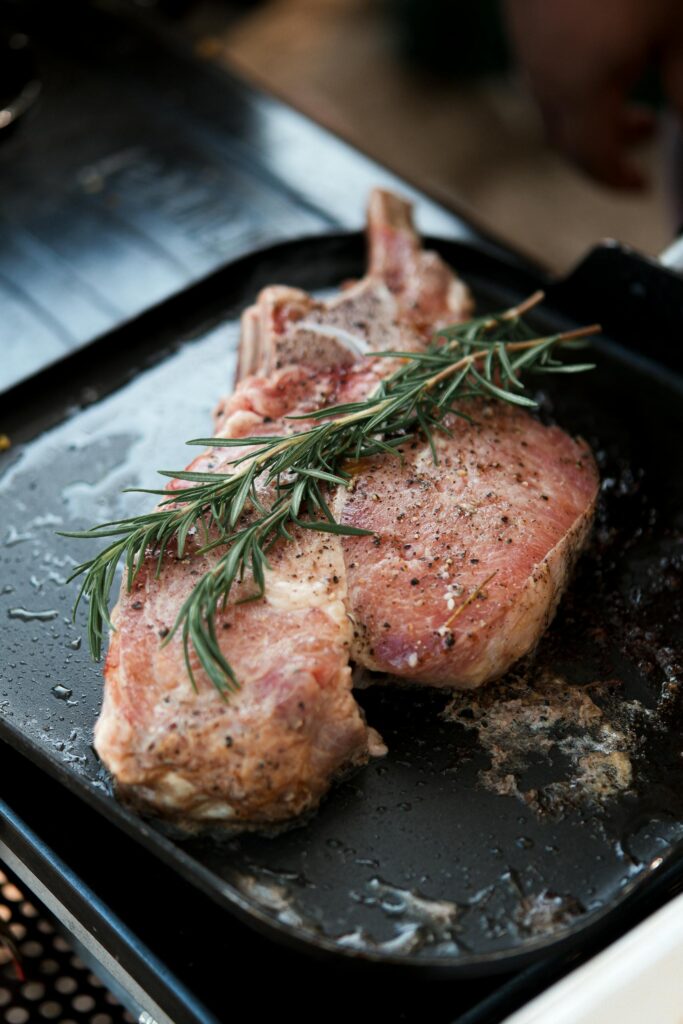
484	356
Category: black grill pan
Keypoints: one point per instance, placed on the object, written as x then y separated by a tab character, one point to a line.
425	859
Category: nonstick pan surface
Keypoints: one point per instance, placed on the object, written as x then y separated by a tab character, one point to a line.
501	825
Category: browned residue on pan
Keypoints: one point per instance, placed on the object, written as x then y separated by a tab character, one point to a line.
588	749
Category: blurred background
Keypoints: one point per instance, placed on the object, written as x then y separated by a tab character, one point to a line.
429	88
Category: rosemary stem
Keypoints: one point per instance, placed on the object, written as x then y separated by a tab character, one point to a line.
516	311
511	346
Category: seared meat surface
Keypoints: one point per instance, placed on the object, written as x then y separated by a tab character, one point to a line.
470	559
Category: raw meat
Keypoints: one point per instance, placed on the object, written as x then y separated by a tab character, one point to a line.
469	561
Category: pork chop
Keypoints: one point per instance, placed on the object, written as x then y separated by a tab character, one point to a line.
469	560
271	752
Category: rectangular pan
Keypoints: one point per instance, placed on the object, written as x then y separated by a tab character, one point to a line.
455	854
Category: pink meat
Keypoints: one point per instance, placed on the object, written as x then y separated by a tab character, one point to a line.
473	554
469	560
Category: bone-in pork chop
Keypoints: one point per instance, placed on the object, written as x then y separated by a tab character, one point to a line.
469	560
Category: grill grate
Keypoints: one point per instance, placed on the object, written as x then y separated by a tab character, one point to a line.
42	980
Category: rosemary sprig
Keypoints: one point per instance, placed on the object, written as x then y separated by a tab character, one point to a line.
284	480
